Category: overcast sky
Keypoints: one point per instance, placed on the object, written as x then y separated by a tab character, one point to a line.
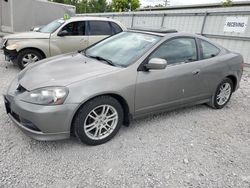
178	2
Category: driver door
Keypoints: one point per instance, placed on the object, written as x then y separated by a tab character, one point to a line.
160	89
75	39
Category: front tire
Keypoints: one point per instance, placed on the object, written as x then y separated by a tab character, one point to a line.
222	94
25	57
98	120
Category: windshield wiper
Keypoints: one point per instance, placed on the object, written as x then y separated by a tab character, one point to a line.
99	58
82	52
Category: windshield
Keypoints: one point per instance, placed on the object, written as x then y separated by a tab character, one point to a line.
51	27
124	48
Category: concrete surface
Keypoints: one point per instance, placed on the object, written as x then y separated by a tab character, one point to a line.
191	147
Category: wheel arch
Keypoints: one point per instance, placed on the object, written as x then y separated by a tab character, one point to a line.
119	98
33	48
234	80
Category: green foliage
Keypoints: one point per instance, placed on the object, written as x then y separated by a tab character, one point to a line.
97	6
124	5
57	1
89	6
227	3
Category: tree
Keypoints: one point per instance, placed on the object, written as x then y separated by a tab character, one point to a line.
89	6
86	6
124	5
227	3
97	6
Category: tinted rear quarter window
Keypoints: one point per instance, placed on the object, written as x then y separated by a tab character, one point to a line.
115	28
99	28
208	50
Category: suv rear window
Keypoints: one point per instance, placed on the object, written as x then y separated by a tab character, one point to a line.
115	28
99	28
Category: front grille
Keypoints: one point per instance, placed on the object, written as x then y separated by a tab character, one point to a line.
15	116
26	123
29	125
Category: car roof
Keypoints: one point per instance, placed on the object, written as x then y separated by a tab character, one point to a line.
160	32
147	32
176	34
79	18
87	18
168	33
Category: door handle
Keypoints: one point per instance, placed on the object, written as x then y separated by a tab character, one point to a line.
197	71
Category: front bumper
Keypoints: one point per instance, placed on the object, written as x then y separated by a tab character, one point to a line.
9	54
41	122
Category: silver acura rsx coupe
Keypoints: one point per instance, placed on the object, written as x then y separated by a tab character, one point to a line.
91	93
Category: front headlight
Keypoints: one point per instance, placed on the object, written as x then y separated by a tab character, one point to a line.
46	96
12	47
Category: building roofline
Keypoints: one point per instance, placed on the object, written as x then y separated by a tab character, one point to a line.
197	6
65	5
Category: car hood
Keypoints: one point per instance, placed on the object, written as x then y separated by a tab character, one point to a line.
63	70
28	35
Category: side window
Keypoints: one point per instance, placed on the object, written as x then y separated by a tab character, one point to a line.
75	28
99	28
115	28
179	50
208	50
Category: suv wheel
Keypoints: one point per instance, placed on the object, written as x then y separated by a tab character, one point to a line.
25	57
98	120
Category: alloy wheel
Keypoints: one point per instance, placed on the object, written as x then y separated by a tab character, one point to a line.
101	122
29	58
224	94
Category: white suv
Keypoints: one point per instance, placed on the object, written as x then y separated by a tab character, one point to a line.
58	37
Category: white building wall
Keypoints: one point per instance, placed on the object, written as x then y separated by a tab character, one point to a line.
22	15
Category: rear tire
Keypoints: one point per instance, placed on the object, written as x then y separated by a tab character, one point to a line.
25	57
222	94
98	120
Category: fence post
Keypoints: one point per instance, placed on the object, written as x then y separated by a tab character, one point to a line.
204	23
132	22
162	21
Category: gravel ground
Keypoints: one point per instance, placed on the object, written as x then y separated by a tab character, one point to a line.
191	147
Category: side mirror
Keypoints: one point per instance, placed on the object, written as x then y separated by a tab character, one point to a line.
156	64
62	33
35	29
